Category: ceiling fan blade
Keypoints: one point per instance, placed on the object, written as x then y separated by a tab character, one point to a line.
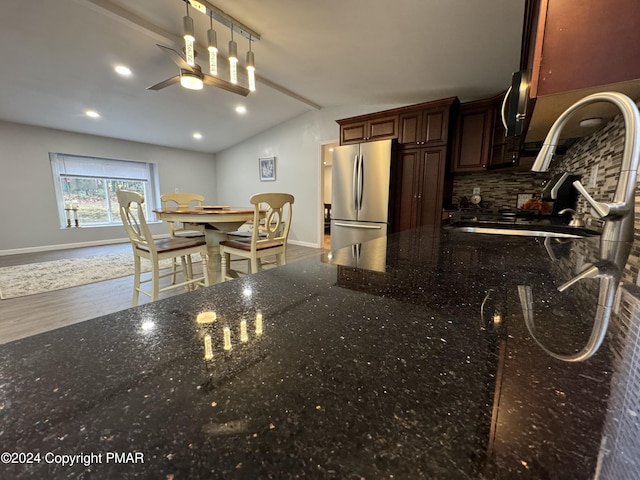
217	82
176	57
168	82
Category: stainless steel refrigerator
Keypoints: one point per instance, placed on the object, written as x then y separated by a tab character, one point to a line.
360	182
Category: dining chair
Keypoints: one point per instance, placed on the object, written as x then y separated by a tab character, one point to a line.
145	246
271	224
181	201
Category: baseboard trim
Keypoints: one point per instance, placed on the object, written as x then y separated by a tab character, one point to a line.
66	246
303	244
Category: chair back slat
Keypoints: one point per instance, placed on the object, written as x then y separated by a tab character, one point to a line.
277	211
135	224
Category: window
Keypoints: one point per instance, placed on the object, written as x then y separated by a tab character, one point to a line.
86	188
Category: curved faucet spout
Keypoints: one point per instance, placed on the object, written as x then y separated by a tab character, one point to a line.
619	213
631	120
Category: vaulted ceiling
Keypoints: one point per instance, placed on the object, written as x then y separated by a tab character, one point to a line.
58	61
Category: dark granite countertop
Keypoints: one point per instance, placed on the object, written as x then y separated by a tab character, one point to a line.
410	359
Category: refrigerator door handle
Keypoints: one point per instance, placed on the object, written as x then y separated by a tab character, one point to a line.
354	180
350	225
361	182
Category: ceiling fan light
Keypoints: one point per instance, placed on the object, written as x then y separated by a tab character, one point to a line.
189	39
190	81
251	71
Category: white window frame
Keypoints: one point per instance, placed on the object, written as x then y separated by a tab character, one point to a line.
80	166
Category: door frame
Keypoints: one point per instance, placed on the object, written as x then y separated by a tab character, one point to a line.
321	186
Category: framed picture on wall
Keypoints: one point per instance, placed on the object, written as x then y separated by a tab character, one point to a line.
267	167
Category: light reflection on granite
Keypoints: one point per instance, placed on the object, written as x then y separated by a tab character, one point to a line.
359	374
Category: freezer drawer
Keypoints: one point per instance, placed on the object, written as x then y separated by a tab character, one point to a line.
359	245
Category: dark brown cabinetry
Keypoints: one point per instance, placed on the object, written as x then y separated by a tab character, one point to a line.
421	185
474	132
480	142
368	129
573	49
424	127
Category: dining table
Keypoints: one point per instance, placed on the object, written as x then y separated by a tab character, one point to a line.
218	222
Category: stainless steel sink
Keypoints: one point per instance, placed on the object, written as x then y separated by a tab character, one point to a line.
523	229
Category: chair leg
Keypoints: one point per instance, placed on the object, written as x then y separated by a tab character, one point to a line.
280	259
254	265
205	269
155	281
136	280
186	271
174	268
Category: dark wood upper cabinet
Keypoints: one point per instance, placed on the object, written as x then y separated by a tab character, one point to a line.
573	49
425	127
474	132
360	129
480	143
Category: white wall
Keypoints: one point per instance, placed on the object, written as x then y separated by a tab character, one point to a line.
296	144
28	212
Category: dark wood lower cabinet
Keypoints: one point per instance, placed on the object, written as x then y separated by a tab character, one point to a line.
420	186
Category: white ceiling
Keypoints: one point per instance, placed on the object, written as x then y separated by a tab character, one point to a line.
58	56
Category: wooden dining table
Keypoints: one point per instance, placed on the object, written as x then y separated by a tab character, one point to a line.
218	221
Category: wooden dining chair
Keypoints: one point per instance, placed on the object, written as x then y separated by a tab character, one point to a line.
181	201
144	246
271	224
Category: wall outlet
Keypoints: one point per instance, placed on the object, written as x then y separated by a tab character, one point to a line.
176	190
476	191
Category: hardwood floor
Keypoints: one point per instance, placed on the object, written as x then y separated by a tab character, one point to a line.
25	316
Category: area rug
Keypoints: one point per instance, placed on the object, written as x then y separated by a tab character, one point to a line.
33	278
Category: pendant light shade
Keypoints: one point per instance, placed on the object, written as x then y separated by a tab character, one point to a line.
251	70
233	60
189	38
212	46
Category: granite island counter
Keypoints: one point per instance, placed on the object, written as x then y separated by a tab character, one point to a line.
407	357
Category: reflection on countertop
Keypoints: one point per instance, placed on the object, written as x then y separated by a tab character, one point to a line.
422	369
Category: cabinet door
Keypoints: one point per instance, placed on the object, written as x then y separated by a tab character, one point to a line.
421	185
408	187
410	124
424	127
382	128
369	130
432	180
353	133
474	129
435	126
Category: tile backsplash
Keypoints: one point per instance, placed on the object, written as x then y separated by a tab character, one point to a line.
498	190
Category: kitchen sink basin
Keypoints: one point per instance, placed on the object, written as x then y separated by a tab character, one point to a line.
523	229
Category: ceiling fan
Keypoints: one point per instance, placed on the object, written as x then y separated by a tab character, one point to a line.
190	76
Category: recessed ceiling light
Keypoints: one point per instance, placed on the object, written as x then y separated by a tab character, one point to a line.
122	70
197	135
591	122
92	114
241	109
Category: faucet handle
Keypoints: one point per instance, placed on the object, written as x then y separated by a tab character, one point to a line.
601	209
590	271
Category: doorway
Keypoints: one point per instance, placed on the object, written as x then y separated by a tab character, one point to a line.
326	161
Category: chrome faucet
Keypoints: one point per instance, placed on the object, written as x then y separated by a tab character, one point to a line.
618	215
